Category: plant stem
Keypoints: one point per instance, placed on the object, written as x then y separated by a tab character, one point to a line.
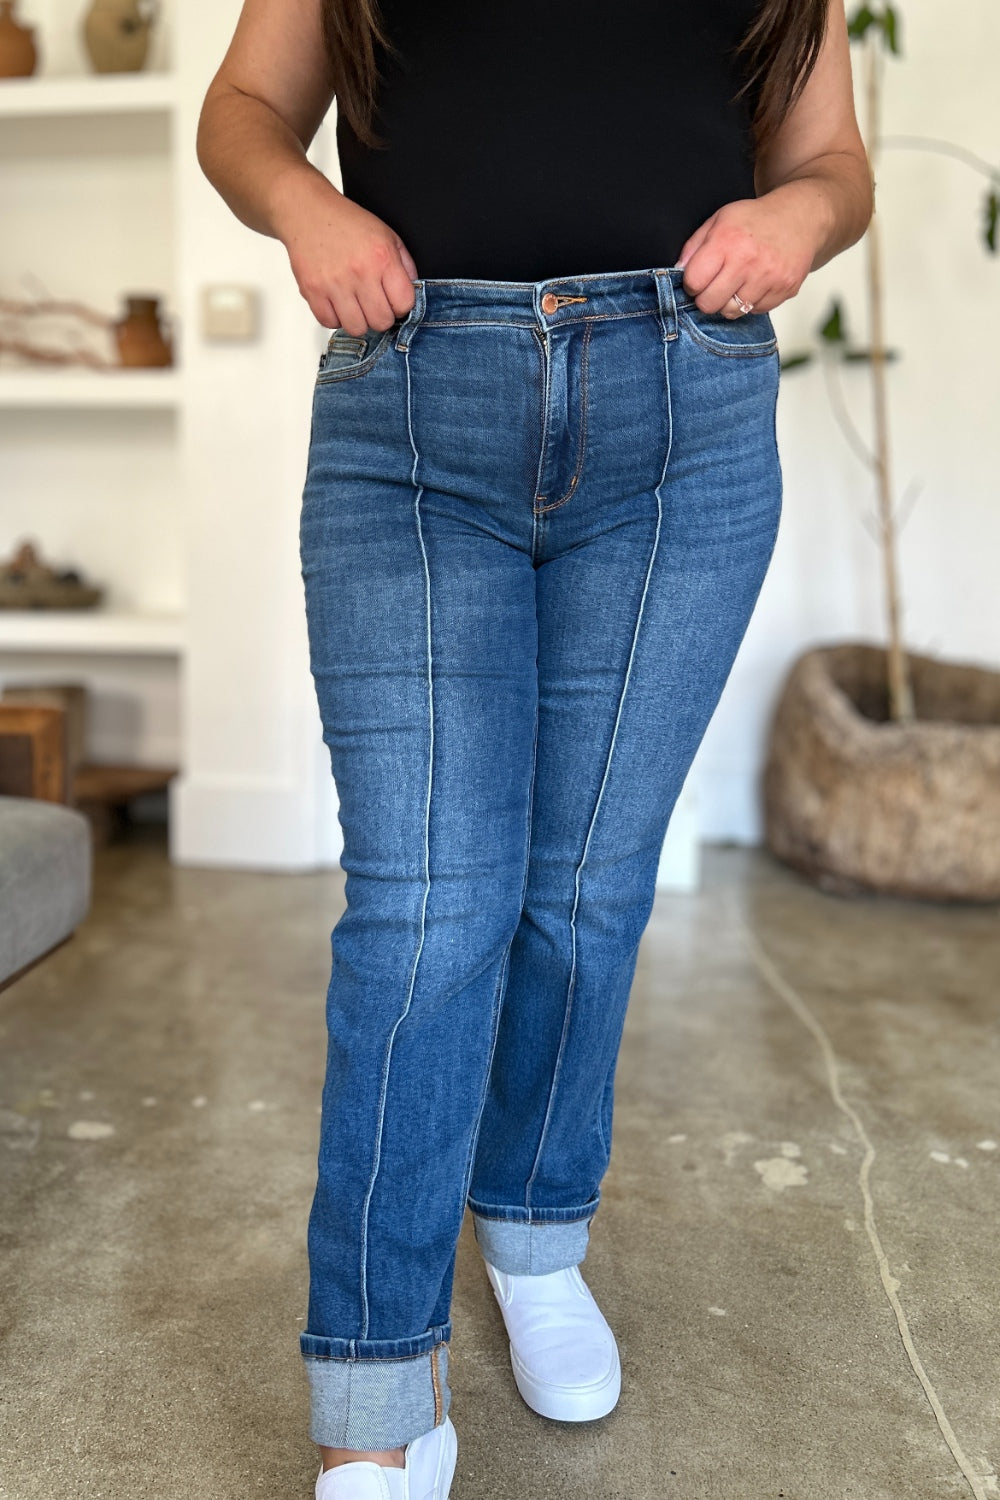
900	690
945	148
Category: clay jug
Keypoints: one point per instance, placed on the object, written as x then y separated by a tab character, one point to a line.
18	54
139	334
116	34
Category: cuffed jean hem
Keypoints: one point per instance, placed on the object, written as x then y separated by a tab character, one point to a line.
373	1402
532	1244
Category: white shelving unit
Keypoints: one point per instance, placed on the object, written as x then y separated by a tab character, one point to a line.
149	390
175	489
104	93
89	457
62	631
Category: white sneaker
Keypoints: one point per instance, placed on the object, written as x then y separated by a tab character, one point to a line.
562	1351
430	1465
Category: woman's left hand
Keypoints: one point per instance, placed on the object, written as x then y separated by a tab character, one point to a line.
761	248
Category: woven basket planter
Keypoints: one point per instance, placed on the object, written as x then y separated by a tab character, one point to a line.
857	803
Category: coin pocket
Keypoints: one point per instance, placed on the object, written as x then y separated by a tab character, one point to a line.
347	354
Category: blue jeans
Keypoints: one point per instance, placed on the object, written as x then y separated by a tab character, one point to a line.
535	522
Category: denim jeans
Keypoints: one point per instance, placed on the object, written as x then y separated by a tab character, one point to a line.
535	522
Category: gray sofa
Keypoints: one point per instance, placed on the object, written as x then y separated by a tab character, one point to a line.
45	845
45	863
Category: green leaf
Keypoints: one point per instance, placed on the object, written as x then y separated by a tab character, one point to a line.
886	19
834	330
794	361
859	23
890	27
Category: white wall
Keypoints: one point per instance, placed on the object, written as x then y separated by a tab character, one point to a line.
249	791
944	317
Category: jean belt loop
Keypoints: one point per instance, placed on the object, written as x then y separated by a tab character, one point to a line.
414	317
667	302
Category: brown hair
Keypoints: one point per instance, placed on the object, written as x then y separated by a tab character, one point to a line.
781	47
778	53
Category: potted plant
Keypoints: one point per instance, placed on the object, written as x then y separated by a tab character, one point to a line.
882	770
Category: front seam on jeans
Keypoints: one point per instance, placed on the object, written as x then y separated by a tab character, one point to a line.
600	794
427	873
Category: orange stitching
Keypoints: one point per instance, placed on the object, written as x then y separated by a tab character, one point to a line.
436	1383
542	509
581	446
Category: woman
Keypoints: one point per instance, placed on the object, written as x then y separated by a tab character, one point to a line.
542	493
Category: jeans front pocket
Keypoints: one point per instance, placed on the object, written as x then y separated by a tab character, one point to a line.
348	355
750	336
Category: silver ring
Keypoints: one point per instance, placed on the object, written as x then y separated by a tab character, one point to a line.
744	307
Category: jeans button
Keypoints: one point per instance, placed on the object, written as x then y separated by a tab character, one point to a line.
550	302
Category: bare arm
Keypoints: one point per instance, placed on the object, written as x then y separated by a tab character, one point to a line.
815	189
819	152
259	116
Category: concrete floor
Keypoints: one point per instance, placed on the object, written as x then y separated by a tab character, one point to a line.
786	1054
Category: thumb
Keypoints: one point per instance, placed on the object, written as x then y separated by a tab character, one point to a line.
694	241
409	263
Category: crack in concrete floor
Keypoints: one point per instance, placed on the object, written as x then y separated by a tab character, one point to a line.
977	1482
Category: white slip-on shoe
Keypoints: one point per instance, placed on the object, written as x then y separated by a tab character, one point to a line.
427	1475
562	1351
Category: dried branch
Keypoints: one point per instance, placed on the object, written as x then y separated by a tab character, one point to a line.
53	306
38	355
945	148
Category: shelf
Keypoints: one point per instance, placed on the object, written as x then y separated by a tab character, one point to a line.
90	93
91	630
115	389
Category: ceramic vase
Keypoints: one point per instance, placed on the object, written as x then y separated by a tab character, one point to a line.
18	54
140	336
116	34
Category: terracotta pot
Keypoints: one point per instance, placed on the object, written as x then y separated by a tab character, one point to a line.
116	34
139	334
857	802
18	53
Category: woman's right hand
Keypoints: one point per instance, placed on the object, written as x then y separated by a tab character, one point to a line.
352	269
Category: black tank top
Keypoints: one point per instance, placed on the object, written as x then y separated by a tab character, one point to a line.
537	138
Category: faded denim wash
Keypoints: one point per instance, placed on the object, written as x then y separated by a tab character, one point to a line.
535	522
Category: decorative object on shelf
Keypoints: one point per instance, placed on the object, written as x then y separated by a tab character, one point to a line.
116	34
26	582
137	337
18	53
73	319
140	335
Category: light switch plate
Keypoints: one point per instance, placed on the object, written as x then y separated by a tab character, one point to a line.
230	312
